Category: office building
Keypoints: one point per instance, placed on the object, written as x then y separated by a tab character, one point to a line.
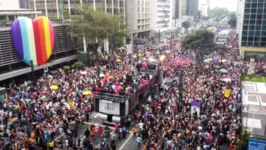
138	18
161	17
251	27
178	11
55	8
192	7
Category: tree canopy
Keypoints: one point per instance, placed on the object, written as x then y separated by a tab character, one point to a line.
233	20
96	24
201	41
185	25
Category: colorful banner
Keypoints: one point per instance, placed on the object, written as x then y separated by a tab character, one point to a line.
227	93
195	106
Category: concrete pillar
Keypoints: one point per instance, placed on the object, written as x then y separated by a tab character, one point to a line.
45	6
57	9
35	9
69	9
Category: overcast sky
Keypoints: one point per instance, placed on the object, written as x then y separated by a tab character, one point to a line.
231	5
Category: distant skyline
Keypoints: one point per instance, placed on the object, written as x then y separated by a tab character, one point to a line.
231	5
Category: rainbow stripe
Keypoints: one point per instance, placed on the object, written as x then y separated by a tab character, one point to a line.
33	39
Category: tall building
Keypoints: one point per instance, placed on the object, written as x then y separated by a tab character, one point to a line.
178	11
204	6
192	7
252	27
161	17
138	18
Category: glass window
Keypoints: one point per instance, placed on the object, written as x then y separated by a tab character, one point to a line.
263	33
244	38
259	16
256	38
245	33
254	5
243	43
263	44
246	22
257	44
246	17
253	16
263	39
257	28
257	33
251	38
252	22
251	27
245	27
250	44
261	1
248	5
264	28
247	10
260	11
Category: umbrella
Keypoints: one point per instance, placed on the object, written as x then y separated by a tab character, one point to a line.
139	54
54	87
162	58
226	79
102	75
83	72
118	60
86	93
206	60
223	60
223	70
167	51
216	58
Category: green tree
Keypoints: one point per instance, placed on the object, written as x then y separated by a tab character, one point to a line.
201	42
94	26
218	13
233	20
118	32
186	25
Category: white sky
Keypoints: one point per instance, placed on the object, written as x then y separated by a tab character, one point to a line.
231	5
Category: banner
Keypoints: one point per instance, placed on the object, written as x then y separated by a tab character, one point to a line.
195	106
227	93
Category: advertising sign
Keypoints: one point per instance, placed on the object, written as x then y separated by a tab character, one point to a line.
109	107
256	144
195	106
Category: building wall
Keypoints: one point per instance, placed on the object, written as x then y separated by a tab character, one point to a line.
138	17
164	15
192	7
55	7
63	43
9	4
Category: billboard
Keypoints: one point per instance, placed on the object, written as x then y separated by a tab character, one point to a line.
33	39
256	144
109	107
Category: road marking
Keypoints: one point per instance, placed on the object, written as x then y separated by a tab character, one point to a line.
124	144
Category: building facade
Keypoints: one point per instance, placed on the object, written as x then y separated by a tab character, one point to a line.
192	7
252	26
161	11
55	8
138	18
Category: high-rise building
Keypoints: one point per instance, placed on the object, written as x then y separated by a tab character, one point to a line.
178	11
204	6
192	7
138	18
252	26
161	17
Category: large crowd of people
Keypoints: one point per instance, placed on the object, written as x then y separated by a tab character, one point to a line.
33	115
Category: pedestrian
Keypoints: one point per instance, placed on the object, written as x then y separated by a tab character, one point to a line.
139	140
134	131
